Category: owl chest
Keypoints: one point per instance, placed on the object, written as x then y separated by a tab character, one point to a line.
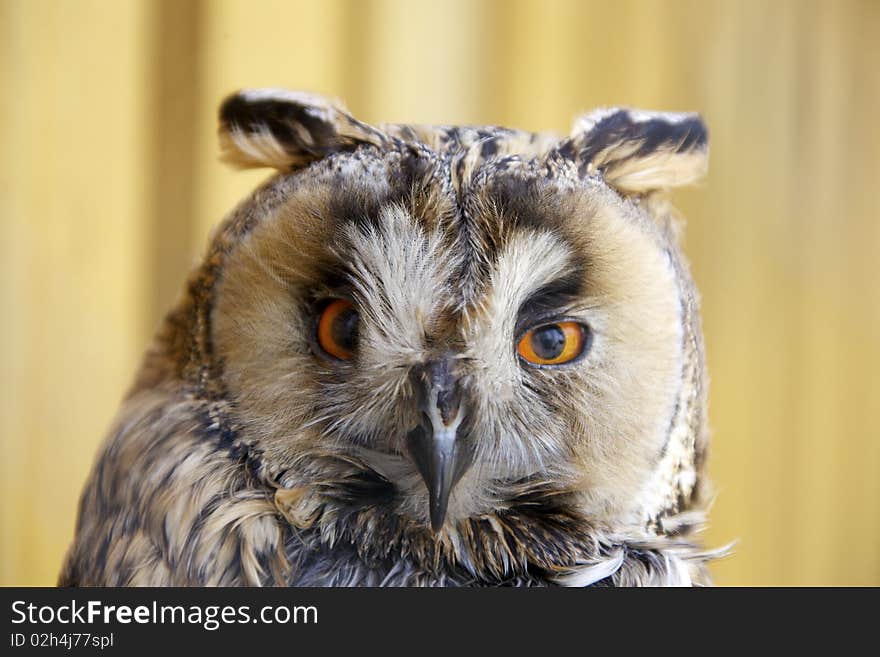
343	565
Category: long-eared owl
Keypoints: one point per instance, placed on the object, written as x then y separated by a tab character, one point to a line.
420	355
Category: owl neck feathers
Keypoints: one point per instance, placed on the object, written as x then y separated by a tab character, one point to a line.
538	538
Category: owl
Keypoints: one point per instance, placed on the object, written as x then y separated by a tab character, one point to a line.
421	356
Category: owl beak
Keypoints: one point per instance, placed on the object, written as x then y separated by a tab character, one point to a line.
436	446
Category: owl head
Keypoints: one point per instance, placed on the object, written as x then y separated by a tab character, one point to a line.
443	324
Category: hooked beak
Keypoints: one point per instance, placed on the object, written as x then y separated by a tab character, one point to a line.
435	445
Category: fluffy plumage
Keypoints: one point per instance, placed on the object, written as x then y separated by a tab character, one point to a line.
243	455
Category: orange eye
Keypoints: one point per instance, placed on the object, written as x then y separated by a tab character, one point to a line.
554	344
338	329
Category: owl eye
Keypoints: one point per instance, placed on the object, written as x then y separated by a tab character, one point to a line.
554	344
337	331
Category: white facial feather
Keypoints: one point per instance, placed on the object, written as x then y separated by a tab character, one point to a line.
400	275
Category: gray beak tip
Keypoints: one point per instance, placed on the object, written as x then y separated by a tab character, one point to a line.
438	515
439	504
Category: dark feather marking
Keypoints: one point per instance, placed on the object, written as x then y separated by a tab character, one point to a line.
566	150
280	117
551	299
362	205
651	135
488	148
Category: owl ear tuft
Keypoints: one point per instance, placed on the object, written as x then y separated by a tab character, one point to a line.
638	152
287	129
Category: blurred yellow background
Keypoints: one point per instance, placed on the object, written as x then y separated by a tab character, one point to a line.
109	184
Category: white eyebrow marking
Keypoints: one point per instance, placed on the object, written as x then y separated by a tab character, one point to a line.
529	260
400	273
